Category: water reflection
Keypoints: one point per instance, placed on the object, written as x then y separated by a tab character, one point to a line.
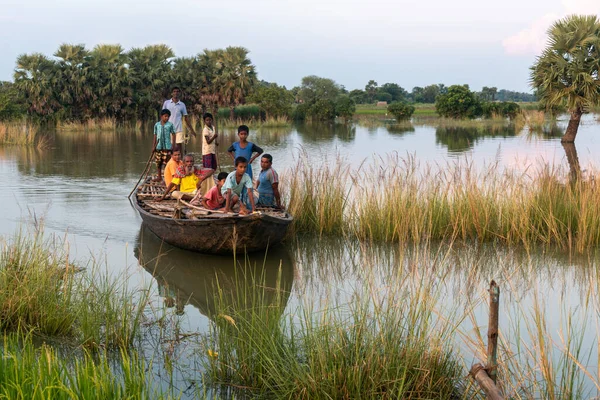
324	132
400	129
459	139
186	277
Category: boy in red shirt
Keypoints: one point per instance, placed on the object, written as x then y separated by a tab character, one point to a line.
213	199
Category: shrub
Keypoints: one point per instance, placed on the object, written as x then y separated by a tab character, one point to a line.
345	107
401	110
458	102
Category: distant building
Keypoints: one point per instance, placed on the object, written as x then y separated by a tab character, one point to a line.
381	103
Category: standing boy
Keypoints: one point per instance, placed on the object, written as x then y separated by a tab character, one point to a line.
238	187
209	143
245	149
268	184
178	112
164	133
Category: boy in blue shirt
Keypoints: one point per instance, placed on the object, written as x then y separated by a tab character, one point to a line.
238	187
164	137
245	149
268	184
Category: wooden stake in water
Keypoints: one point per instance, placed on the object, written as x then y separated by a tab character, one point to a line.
492	348
479	373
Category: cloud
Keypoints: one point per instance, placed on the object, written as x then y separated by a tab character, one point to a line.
532	40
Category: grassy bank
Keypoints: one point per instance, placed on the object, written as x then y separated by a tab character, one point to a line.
396	200
372	109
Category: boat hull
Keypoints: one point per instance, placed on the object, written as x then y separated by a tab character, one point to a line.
225	235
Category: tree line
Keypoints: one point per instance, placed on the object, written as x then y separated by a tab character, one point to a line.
78	84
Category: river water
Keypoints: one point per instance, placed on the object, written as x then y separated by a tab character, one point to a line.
78	187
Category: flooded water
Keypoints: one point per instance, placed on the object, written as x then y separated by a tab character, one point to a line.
79	187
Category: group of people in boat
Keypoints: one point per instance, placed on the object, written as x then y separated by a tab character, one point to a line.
229	192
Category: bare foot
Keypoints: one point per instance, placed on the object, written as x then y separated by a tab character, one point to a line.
243	211
157	179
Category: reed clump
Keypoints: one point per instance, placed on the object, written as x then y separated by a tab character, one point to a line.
256	123
40	372
103	124
43	292
397	200
22	133
371	347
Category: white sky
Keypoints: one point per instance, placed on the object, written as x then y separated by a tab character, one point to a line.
412	43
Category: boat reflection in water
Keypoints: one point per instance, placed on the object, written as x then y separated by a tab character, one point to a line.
187	277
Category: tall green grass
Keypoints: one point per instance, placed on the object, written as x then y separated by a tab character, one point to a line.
370	347
35	372
397	200
43	292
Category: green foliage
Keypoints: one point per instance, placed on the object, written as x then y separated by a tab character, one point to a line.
371	90
11	102
359	96
345	107
384	96
40	372
567	71
459	102
401	110
42	292
427	94
274	100
322	110
315	88
488	93
396	91
109	83
500	109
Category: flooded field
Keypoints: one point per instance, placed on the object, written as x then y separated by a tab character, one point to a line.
550	299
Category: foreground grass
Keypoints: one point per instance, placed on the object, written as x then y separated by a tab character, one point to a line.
396	200
44	293
370	348
35	372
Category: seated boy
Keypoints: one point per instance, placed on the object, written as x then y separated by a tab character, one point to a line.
268	184
188	179
238	187
213	199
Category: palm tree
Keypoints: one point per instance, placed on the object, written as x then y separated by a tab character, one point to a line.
237	77
149	70
73	90
209	63
109	78
567	71
35	76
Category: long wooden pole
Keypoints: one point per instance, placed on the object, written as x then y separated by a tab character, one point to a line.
144	173
492	347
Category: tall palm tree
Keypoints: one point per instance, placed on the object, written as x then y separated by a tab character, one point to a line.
149	70
237	78
109	78
73	89
209	63
567	71
35	76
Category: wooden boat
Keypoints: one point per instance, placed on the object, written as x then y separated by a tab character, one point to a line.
193	228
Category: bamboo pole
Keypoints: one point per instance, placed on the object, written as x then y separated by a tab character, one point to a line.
479	373
492	347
